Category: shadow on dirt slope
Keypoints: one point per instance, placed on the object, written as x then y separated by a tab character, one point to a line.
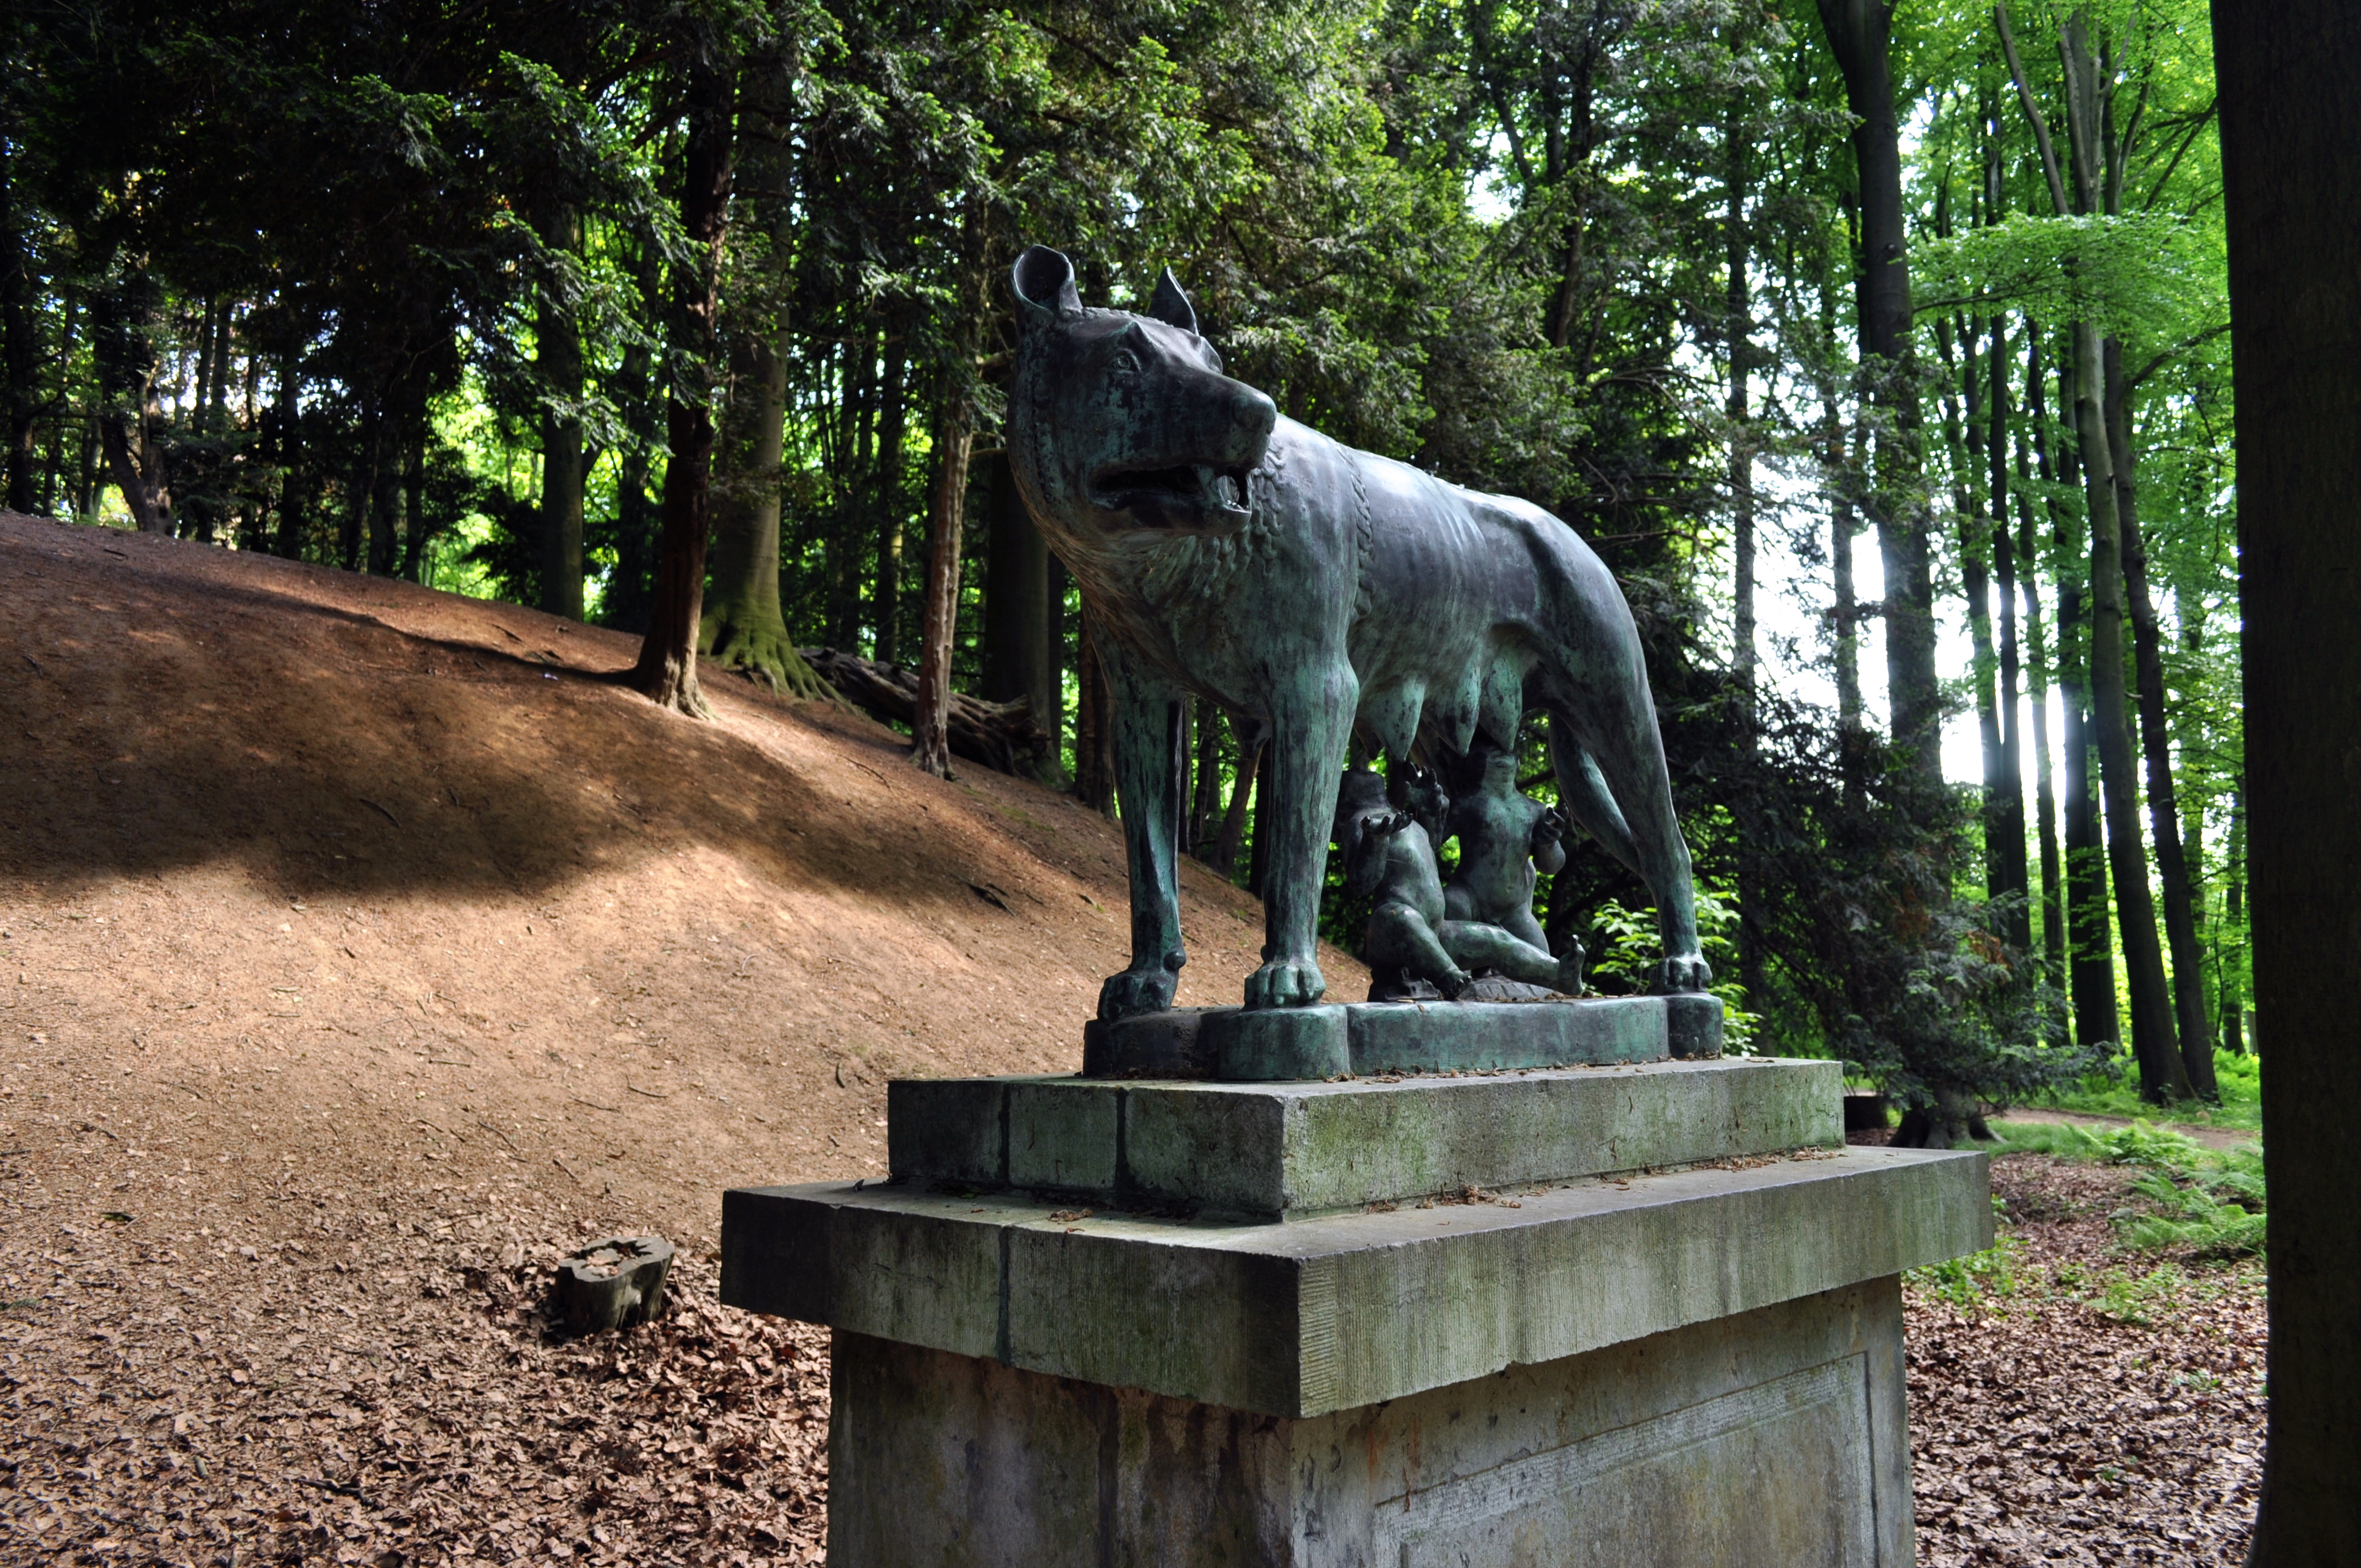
343	874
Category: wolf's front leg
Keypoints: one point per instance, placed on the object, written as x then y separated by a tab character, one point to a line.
1146	751
1309	730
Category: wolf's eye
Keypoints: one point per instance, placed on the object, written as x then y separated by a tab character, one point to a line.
1124	363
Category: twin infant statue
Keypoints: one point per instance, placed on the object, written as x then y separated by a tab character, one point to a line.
1424	934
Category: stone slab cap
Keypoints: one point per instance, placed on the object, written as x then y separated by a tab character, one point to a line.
1324	1315
1282	1150
1279	1044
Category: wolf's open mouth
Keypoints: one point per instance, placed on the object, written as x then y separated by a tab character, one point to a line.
1155	495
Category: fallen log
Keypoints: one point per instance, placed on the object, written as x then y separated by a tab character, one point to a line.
1001	735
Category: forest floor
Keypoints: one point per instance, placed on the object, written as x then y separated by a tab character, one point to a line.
2195	1131
364	948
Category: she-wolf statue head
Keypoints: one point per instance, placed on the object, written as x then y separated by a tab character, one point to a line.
1120	423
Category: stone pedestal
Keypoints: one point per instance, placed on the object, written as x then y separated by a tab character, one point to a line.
1630	1315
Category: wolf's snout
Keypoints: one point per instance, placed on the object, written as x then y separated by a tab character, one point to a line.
1256	417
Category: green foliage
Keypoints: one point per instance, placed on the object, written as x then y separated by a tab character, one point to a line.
1977	1280
1633	949
2153	277
2212	1202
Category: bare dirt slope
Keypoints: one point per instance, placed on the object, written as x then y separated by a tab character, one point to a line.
306	869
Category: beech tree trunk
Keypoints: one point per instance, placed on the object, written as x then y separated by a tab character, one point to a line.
954	438
288	455
2290	99
886	596
562	468
1965	429
2174	884
2045	795
2162	1075
1739	329
2234	915
740	626
930	748
1018	661
667	670
1093	728
20	348
1233	835
2004	783
2090	928
1860	33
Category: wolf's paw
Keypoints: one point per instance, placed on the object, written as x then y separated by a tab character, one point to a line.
1682	971
1133	992
1285	983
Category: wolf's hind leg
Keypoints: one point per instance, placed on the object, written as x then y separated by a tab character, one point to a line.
1624	783
1146	750
1583	793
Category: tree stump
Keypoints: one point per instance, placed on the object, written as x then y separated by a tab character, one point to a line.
612	1284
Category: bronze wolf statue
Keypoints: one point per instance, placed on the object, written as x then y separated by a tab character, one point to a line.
1307	587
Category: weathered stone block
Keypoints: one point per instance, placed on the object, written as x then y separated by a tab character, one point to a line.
1295	1150
1774	1437
1599	1361
1317	1315
1064	1136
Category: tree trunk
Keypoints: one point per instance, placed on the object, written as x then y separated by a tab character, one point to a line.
385	490
354	523
2009	784
1739	330
667	670
2162	1076
288	455
954	434
61	420
415	534
2290	100
563	467
628	603
2092	967
1093	728
1860	33
126	363
2045	796
20	346
1233	835
1205	804
1964	432
1017	660
848	539
2196	1042
886	601
1052	718
2233	918
741	627
1258	856
955	437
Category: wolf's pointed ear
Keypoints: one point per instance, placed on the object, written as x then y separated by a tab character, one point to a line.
1171	306
1043	283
